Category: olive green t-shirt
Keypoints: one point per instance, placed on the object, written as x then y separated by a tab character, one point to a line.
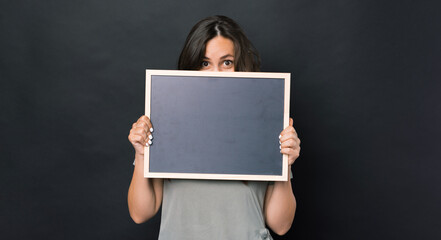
209	209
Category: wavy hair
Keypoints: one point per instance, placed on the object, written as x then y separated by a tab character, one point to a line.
246	57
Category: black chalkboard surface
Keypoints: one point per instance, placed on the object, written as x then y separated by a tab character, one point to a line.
216	125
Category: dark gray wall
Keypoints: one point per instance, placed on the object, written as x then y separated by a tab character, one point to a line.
365	101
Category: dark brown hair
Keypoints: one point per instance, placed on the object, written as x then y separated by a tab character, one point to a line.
246	57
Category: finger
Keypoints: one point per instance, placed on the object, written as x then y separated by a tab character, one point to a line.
149	136
145	125
295	153
287	136
147	121
137	139
142	124
290	143
144	118
141	132
287	133
287	130
291	122
141	127
288	151
148	142
142	139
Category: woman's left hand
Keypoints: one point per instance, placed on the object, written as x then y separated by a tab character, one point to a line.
290	143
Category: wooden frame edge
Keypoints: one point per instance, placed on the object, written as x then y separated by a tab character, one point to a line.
286	120
148	88
216	176
217	74
287	89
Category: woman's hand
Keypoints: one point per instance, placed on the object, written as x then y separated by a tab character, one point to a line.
140	134
290	143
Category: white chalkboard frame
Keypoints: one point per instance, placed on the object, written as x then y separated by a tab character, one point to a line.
246	177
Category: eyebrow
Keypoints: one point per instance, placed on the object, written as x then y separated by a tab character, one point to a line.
223	57
228	55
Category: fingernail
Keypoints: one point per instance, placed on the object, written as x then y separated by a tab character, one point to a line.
280	136
150	136
150	142
151	129
280	142
280	147
147	144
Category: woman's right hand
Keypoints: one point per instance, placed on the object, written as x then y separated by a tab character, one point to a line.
140	134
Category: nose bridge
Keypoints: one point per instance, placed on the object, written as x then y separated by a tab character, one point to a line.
216	68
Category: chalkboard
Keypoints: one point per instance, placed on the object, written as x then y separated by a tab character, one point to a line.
216	125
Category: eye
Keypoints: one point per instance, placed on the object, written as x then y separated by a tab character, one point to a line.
205	64
228	62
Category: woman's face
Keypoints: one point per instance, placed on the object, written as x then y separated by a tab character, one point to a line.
219	55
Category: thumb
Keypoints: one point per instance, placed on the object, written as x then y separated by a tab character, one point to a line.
290	122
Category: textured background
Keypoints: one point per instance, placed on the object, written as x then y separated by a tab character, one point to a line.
366	103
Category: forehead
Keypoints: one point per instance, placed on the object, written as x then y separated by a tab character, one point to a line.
219	46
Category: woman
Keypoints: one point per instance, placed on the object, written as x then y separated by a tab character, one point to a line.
198	209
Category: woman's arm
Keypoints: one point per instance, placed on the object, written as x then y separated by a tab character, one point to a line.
145	195
280	207
280	203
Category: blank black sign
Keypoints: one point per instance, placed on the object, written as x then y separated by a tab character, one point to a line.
216	125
